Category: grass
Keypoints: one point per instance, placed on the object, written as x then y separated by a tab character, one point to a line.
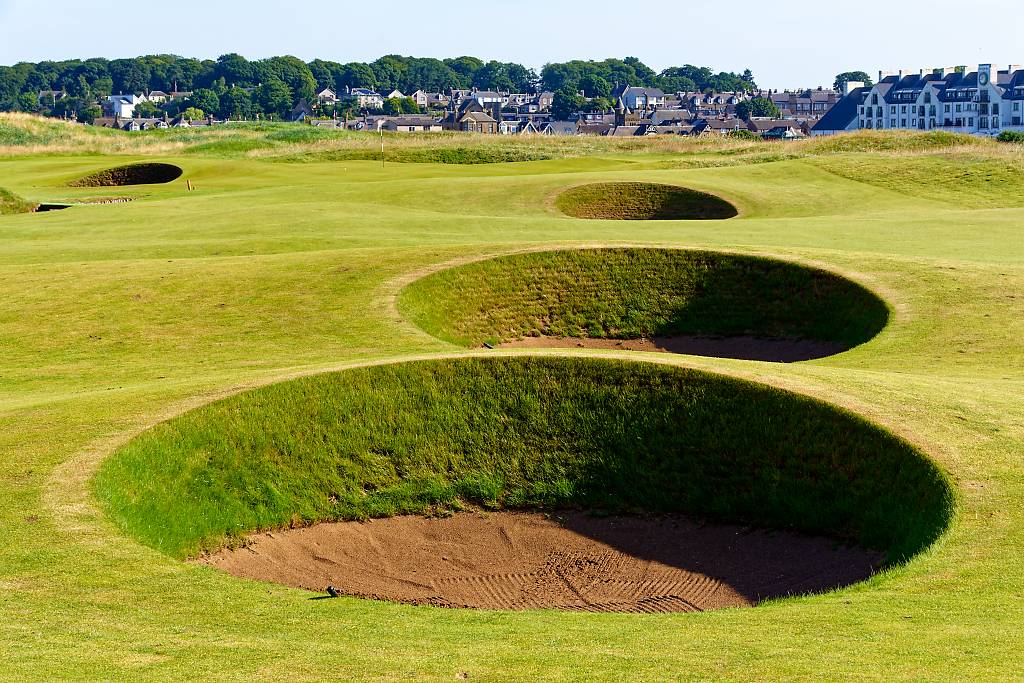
118	317
521	433
640	293
12	203
642	201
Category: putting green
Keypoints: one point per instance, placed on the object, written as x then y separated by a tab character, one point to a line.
288	258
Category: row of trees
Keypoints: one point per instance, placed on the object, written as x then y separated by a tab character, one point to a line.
232	75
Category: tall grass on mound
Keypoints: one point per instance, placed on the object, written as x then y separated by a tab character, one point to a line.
521	433
635	293
12	203
642	201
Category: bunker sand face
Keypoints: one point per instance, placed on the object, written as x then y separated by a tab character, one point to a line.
568	561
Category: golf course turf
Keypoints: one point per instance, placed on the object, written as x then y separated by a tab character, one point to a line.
289	266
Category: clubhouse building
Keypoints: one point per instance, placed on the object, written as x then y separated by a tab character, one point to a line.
983	102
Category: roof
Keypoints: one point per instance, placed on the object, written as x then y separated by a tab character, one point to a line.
477	117
842	114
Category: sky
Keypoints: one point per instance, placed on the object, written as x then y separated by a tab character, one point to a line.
785	45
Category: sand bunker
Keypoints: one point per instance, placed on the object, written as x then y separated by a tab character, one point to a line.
568	561
743	348
642	202
133	174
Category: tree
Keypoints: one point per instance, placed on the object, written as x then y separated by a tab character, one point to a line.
89	113
235	104
234	69
27	102
593	85
147	110
757	107
275	97
205	99
566	102
193	114
847	76
357	75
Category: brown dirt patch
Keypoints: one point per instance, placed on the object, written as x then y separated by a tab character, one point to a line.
743	348
568	561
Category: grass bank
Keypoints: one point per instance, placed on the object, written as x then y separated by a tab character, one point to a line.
633	293
521	433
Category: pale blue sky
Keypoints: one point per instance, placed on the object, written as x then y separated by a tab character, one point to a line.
786	44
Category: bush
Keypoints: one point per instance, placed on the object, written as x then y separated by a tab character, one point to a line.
1011	136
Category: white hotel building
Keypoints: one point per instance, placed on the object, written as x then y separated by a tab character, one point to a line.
983	102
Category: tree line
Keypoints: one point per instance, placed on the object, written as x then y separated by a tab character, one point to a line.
235	87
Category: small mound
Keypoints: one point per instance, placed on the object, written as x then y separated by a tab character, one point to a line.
704	303
568	561
642	202
133	174
11	203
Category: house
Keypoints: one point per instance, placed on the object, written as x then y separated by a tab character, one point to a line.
842	117
717	126
157	97
560	128
121	106
544	100
327	96
395	95
640	98
180	122
50	97
477	122
301	111
982	102
365	98
488	97
411	124
421	98
776	129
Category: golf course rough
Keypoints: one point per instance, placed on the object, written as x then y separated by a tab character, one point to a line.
132	174
642	202
631	293
521	434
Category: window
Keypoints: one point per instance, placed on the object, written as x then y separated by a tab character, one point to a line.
946	108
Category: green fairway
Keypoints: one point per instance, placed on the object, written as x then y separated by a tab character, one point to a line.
298	253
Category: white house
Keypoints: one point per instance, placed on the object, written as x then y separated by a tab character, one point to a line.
640	99
366	98
327	96
123	105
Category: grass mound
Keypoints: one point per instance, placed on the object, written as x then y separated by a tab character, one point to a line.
132	174
642	201
635	293
519	433
12	203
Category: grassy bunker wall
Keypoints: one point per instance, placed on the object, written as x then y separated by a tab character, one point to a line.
521	433
642	202
635	293
132	174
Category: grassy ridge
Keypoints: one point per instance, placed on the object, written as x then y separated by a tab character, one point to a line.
517	433
633	293
642	201
12	203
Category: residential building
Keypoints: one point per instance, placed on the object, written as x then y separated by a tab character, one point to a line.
982	102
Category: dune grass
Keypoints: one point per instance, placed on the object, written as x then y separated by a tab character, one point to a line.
115	318
640	293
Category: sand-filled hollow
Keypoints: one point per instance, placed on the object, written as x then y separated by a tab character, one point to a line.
132	174
642	202
564	560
